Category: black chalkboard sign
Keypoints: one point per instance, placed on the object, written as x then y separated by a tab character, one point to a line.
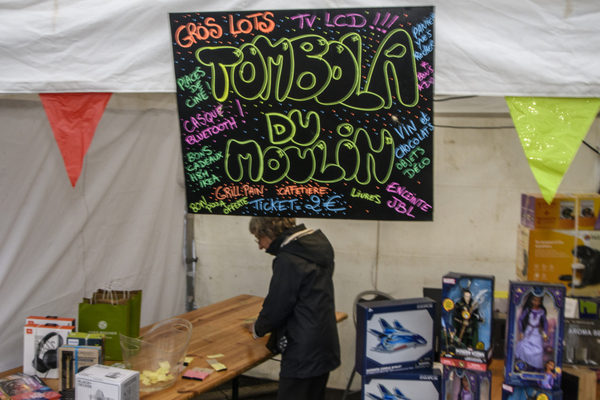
309	113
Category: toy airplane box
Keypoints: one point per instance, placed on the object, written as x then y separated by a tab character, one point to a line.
567	211
403	386
466	340
529	393
394	335
534	335
460	383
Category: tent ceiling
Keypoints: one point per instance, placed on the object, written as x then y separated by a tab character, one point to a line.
483	47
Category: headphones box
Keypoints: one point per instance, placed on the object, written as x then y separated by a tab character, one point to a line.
74	359
40	349
422	385
467	339
534	335
528	393
394	335
459	383
101	382
50	320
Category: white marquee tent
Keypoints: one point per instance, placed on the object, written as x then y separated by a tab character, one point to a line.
125	216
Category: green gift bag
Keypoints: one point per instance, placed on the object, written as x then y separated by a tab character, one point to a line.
109	318
133	296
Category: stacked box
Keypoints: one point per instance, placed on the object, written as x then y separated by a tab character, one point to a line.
407	385
40	349
529	393
458	383
74	359
534	337
103	382
394	336
567	211
466	339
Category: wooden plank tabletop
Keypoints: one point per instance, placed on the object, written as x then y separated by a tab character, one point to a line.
217	329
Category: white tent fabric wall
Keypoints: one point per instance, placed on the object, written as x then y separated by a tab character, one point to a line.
479	176
124	218
482	47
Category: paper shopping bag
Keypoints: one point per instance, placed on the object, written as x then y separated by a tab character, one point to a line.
110	319
134	297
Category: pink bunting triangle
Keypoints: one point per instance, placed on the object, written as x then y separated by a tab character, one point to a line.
74	118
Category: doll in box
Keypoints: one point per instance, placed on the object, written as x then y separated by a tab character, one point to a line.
533	331
466	319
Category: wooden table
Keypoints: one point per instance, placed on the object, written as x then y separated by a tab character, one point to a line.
217	329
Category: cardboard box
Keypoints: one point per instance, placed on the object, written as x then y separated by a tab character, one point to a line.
567	211
457	380
40	349
74	359
86	339
526	393
582	342
549	255
467	339
394	335
50	320
579	383
408	385
104	382
534	337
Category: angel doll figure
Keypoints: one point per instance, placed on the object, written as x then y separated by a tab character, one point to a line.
533	331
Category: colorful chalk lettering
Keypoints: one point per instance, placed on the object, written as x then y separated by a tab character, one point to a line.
321	113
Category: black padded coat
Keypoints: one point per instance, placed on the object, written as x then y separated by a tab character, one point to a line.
300	305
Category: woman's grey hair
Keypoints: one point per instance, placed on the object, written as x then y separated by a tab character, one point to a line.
270	227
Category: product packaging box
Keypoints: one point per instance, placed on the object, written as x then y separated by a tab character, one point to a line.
466	339
529	393
407	385
74	359
40	349
394	335
581	342
551	256
104	382
459	383
21	386
567	211
534	337
50	320
86	339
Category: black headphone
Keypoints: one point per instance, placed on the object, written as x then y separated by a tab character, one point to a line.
48	361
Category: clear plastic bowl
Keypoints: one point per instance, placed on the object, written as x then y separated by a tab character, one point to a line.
158	354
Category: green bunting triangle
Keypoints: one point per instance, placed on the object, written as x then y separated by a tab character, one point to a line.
551	130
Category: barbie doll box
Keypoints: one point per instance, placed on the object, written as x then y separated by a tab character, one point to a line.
406	385
394	335
466	340
529	393
534	335
463	384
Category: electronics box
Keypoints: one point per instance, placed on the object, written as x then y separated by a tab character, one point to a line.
409	385
534	337
548	255
86	339
581	342
50	320
74	359
394	335
561	213
40	349
459	382
529	393
467	339
104	382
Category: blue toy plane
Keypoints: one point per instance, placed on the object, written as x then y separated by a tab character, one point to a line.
387	395
395	338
